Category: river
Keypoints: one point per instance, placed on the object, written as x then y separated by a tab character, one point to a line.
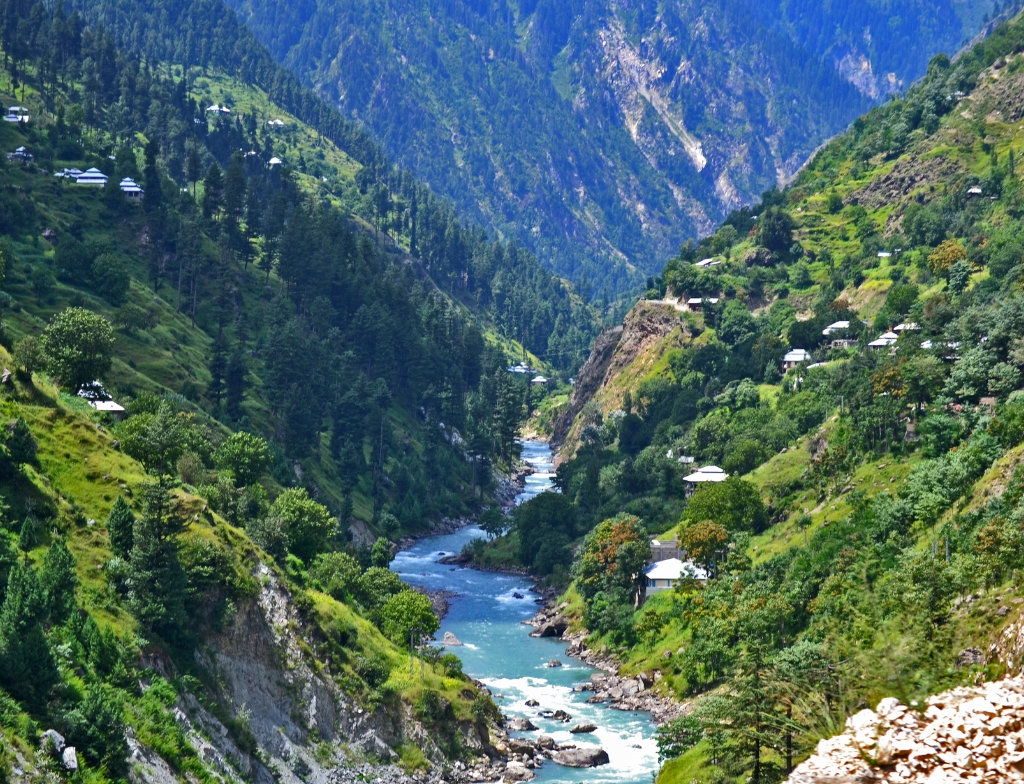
487	616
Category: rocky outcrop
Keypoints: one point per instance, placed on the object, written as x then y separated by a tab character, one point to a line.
615	351
967	734
588	381
607	686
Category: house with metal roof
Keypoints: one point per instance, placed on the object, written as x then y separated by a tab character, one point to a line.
793	358
92	177
131	189
665	575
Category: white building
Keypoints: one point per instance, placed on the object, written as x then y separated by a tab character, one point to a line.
664	575
92	177
539	380
694	304
21	154
884	340
702	475
836	326
793	358
909	326
16	114
275	161
131	189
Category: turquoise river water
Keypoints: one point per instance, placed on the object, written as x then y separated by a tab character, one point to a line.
487	617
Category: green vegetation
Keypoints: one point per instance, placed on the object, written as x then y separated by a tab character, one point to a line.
521	113
871	525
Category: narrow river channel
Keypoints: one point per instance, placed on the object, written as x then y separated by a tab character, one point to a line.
487	616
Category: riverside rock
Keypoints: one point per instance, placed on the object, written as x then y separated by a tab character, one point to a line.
584	727
450	639
521	724
581	758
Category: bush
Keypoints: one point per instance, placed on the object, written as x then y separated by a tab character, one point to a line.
374	669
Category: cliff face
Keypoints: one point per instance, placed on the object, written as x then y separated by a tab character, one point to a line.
621	357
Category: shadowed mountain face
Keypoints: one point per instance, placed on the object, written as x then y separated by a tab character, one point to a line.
605	134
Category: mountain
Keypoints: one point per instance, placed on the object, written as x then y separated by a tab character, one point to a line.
604	135
860	547
233	374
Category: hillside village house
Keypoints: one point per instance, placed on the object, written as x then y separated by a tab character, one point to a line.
665	575
17	114
702	475
92	177
695	304
20	155
131	189
794	358
885	340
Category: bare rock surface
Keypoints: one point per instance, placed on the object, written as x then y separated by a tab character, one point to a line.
581	758
964	735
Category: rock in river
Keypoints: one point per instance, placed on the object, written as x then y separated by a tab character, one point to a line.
517	771
585	727
520	724
581	758
450	639
554	663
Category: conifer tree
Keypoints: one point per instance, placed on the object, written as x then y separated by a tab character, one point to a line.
120	528
27	669
156	582
59	581
27	537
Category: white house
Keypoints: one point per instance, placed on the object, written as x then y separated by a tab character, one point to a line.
664	575
98	397
69	174
702	475
276	123
17	114
539	380
219	109
92	177
975	191
884	340
275	161
909	326
793	358
836	326
131	189
694	304
20	154
704	263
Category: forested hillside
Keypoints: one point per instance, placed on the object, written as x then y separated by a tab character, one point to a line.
866	541
307	356
604	135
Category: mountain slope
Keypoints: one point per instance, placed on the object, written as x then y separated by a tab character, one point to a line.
600	134
864	545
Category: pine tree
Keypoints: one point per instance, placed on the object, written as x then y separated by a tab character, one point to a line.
235	383
193	167
27	538
120	528
59	581
27	668
156	582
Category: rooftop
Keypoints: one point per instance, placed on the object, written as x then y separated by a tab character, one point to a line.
673	569
707	474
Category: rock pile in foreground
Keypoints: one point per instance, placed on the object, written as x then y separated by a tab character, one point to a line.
964	735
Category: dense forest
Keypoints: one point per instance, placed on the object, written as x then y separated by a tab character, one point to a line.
869	529
600	136
308	353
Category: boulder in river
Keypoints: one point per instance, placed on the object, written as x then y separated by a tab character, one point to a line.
581	758
517	595
585	727
532	704
553	663
517	771
561	715
521	724
545	742
450	639
554	628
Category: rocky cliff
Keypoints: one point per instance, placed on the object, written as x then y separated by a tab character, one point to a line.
621	358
